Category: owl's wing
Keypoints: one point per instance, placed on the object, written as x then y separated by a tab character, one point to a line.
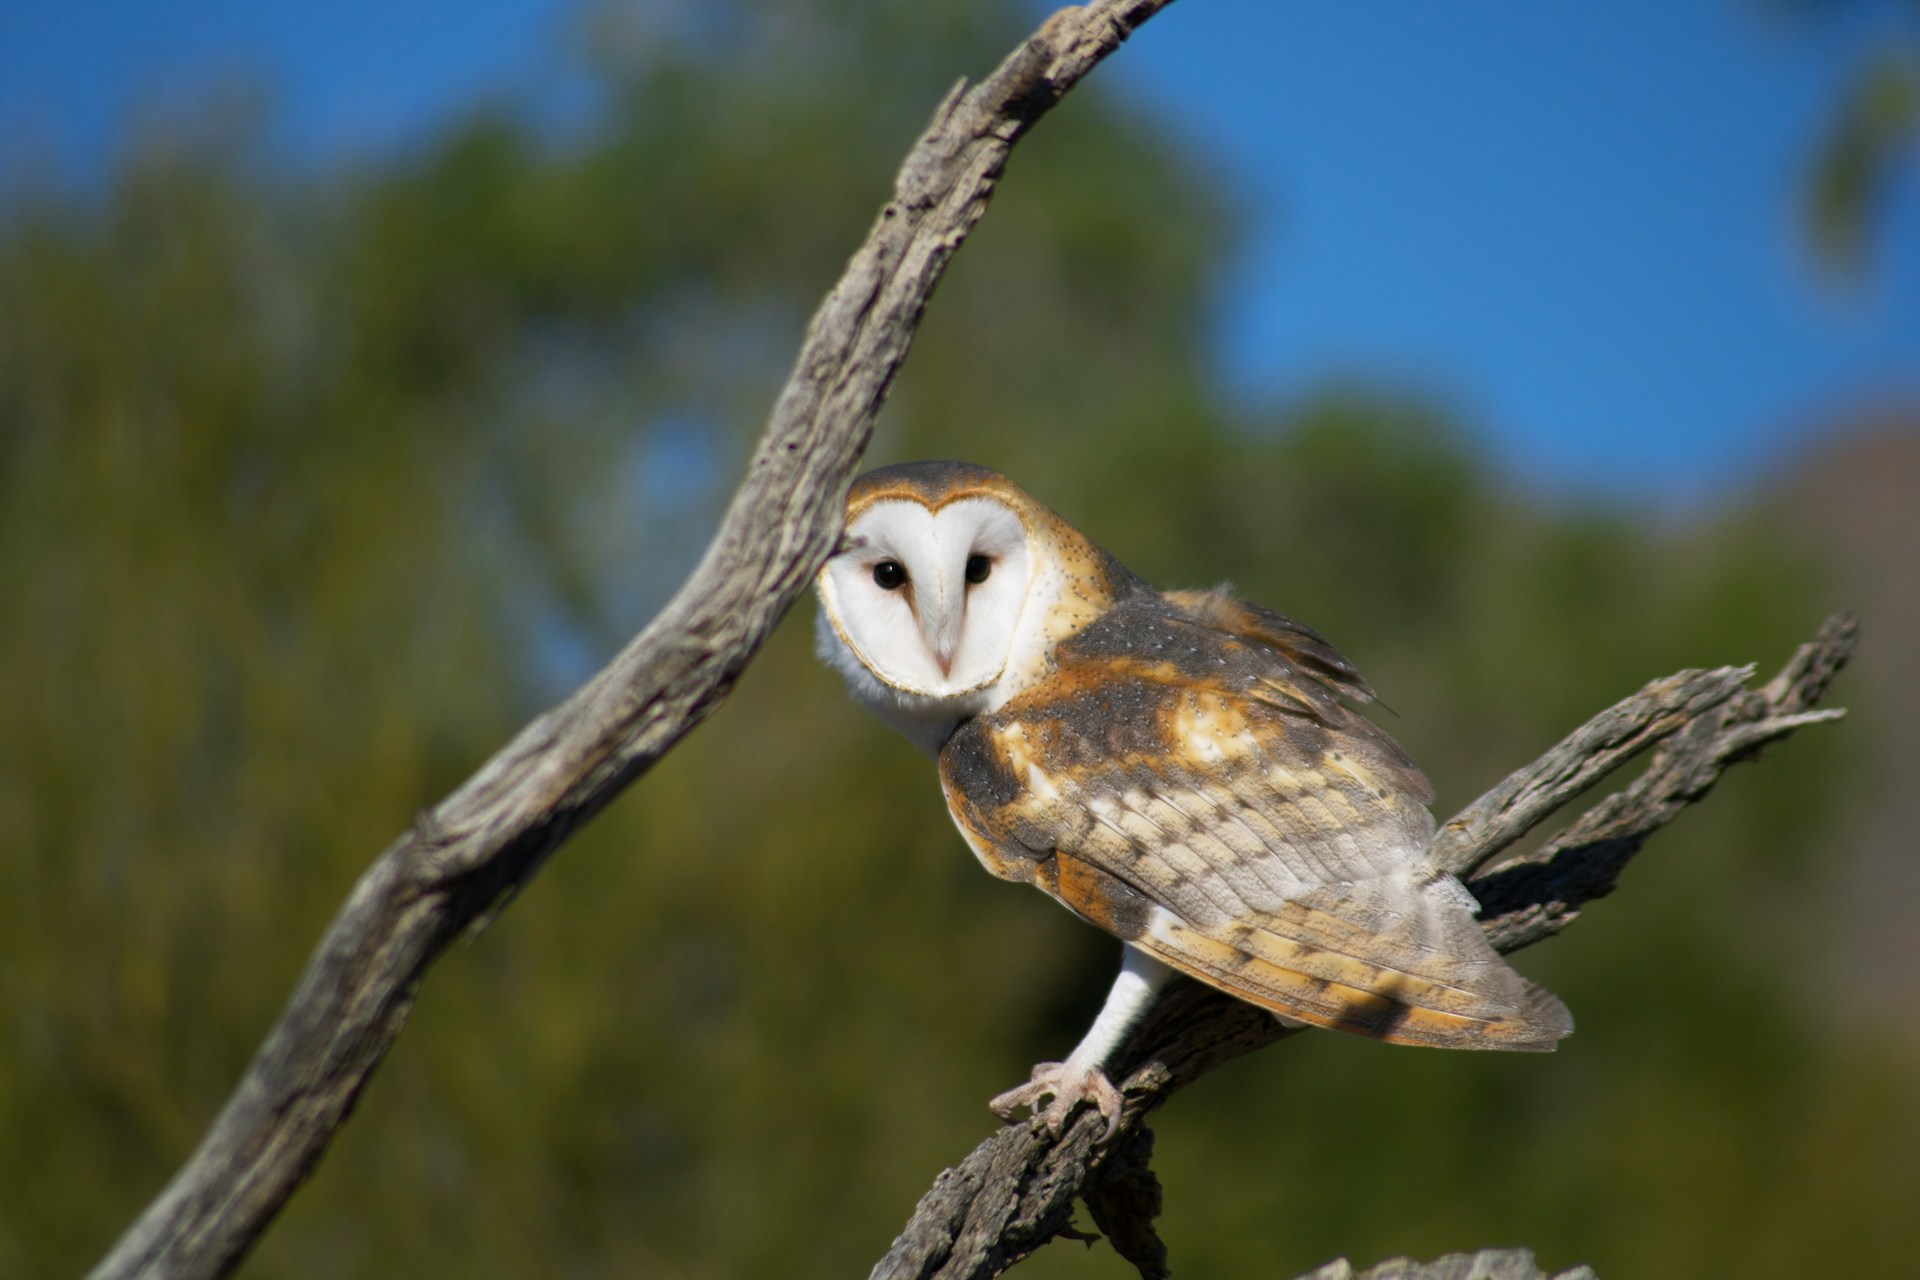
1188	778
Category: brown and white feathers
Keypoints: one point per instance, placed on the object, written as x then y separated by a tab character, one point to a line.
1180	768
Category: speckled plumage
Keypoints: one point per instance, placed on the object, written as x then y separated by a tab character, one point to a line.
1184	770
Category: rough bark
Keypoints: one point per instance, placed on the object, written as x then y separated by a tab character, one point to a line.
466	855
1488	1264
1017	1189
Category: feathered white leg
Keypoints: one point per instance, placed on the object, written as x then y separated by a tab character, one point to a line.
1081	1078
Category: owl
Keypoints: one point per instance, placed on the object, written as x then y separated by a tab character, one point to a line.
1181	768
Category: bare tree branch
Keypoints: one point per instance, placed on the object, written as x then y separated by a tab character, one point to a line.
1488	1264
1490	824
467	854
1016	1190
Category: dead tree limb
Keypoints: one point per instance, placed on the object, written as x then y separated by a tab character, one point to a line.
1488	1264
467	854
1016	1191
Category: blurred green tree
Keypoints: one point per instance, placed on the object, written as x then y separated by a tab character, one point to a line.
313	486
1870	140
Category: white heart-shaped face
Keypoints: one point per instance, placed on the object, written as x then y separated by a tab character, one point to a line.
928	601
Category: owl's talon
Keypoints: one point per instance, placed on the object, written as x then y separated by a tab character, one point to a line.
1038	1086
1068	1089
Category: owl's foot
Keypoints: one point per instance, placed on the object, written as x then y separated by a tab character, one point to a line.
1068	1086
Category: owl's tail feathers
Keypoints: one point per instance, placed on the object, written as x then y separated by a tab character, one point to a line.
1388	958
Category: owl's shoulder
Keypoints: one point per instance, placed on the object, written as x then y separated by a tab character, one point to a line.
1159	676
1123	686
1215	640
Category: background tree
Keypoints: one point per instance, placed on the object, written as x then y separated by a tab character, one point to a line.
253	425
1871	142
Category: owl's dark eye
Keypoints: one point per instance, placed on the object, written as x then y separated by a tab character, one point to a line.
889	576
978	567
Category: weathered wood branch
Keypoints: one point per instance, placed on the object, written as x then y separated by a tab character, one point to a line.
1016	1191
467	854
1488	1264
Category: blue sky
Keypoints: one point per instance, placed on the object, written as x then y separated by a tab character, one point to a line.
1573	221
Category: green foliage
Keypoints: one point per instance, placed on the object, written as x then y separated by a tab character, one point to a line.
1872	139
313	488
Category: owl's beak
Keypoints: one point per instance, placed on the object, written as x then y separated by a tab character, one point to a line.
943	637
945	643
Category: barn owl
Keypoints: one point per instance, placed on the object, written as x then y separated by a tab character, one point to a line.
1180	768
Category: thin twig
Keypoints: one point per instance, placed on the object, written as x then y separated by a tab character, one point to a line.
1017	1189
468	854
1485	828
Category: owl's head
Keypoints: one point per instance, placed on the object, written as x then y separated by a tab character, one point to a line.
939	592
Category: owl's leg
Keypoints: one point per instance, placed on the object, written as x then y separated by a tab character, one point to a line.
1081	1077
